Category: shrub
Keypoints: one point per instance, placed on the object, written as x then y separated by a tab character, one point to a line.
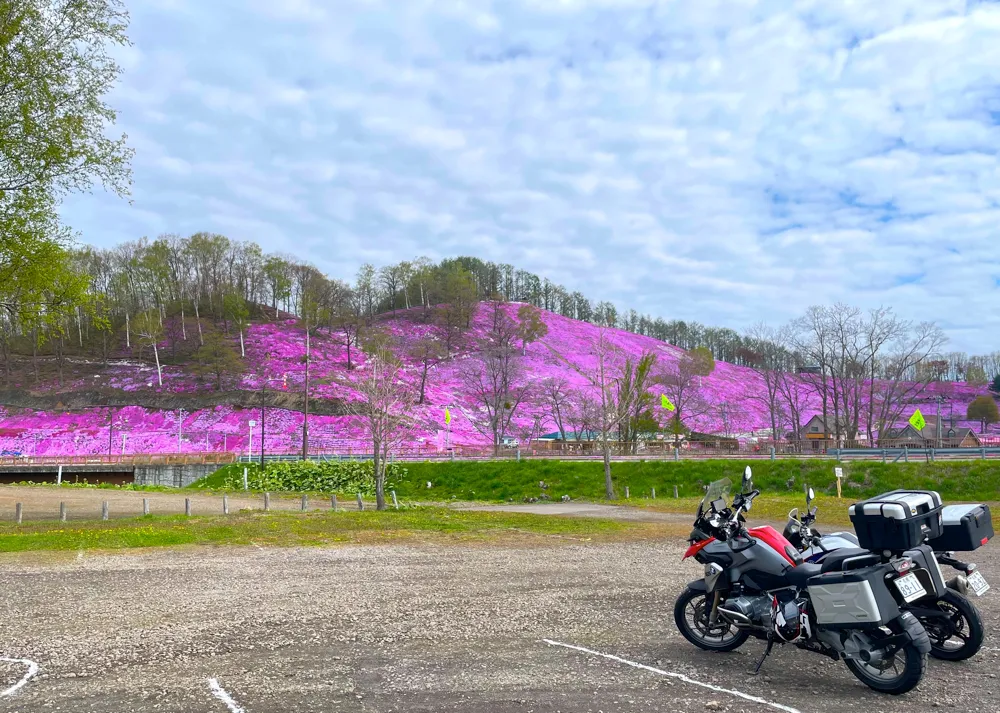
315	476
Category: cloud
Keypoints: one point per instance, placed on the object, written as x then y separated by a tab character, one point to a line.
719	161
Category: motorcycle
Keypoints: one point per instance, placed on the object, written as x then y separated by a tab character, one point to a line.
953	623
756	584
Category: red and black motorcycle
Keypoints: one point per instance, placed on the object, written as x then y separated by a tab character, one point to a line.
756	584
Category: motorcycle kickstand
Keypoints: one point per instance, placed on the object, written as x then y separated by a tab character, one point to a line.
767	652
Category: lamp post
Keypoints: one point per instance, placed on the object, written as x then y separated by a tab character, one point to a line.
180	426
250	445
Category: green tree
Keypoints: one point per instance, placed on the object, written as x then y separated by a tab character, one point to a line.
531	327
984	409
458	292
995	385
149	330
55	71
236	311
217	359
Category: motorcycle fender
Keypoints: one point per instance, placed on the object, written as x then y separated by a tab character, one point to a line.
698	585
914	631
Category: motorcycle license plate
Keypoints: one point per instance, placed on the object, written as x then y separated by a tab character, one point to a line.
978	584
910	587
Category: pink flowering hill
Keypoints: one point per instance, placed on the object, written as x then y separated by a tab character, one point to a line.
186	414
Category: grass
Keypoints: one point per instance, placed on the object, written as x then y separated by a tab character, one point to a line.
769	507
511	480
313	529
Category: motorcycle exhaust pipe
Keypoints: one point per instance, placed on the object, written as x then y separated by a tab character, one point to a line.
736	617
959	583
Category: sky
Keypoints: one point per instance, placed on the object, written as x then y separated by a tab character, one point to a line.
720	161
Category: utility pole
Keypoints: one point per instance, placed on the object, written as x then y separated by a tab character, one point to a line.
180	426
305	411
939	422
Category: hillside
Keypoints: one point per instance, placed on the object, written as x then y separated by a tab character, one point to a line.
150	416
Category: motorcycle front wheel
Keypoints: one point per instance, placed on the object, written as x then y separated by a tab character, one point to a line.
691	614
959	635
897	673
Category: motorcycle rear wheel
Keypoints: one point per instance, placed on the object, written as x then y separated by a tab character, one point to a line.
895	676
691	614
962	635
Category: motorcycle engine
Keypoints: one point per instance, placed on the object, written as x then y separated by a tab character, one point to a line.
789	618
756	609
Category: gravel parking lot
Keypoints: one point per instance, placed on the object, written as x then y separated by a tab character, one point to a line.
405	628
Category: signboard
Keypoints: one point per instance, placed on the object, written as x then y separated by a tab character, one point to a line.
839	472
917	420
665	403
447	416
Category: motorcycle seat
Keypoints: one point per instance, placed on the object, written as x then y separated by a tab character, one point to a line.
847	559
798	576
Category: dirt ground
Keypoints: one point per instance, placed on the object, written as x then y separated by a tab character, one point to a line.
42	503
415	628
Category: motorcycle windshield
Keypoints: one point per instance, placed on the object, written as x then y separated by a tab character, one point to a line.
718	489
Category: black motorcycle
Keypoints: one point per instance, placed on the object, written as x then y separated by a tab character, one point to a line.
952	621
755	584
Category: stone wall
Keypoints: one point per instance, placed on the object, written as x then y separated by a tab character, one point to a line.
173	476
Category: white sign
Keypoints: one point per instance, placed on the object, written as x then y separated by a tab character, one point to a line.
252	424
839	472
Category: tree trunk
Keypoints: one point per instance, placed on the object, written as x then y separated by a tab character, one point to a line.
128	336
243	351
197	318
379	465
60	351
5	346
184	331
34	352
423	382
79	326
347	332
609	486
159	372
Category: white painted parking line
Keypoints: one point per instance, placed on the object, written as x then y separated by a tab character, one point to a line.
32	670
678	676
220	693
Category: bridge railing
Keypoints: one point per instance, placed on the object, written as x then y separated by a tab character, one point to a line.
123	460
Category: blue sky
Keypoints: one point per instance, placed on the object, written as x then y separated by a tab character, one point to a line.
720	161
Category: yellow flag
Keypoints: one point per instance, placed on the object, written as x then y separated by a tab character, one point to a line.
665	403
917	420
447	416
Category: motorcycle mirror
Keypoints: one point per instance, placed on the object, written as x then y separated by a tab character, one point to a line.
810	496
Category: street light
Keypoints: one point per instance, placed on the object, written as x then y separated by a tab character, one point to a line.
180	425
250	445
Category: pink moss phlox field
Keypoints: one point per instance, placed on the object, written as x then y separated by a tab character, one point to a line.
275	360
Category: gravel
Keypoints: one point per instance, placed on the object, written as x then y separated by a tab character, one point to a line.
405	628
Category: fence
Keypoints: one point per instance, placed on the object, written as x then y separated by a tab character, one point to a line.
131	459
348	449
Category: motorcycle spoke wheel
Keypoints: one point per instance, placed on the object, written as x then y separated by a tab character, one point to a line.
697	615
957	636
691	615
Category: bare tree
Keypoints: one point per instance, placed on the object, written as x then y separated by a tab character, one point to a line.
495	381
764	354
382	409
150	331
682	384
556	396
427	352
633	398
896	387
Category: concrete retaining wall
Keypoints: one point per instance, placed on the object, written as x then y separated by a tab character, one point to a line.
175	476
